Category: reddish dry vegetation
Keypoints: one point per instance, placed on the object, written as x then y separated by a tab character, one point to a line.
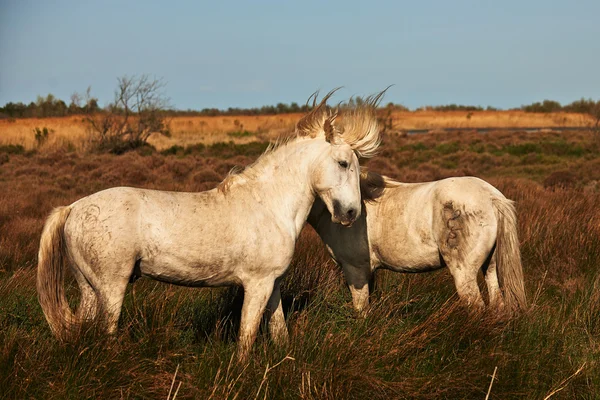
416	341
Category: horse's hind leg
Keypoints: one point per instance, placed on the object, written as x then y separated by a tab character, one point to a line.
466	239
464	262
102	287
491	280
88	305
112	294
465	279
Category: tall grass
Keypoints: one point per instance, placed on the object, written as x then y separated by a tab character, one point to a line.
415	342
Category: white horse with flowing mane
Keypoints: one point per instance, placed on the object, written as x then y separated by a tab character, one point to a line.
463	223
241	233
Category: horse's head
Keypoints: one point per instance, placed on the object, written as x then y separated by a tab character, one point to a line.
336	180
336	173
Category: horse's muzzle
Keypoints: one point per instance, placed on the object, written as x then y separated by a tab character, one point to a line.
346	217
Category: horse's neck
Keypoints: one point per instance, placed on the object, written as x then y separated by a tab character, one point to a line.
318	212
282	182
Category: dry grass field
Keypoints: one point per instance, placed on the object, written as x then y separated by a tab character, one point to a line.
187	130
485	119
415	343
184	130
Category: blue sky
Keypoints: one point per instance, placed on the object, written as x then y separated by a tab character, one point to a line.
253	53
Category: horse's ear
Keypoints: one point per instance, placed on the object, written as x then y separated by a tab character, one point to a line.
332	134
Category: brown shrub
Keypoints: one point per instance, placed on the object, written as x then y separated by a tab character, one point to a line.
86	166
223	167
154	161
179	169
382	166
137	175
560	179
66	182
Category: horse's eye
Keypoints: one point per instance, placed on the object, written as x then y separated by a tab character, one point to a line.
343	164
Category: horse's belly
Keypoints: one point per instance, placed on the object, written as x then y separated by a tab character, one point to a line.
406	258
171	270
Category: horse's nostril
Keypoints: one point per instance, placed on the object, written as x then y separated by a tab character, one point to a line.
351	213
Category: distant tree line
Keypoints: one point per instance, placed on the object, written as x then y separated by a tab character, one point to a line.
584	106
280	108
456	107
50	106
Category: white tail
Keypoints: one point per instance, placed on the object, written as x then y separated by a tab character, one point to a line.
50	274
508	256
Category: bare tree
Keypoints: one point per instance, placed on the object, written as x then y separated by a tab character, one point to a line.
137	112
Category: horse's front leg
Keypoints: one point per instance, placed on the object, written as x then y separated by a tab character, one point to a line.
358	278
256	295
277	327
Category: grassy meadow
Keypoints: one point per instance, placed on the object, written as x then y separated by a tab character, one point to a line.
416	341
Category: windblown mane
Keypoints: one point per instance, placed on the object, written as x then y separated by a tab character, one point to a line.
359	128
373	184
320	119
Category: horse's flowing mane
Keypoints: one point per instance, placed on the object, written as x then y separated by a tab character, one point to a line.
357	127
358	124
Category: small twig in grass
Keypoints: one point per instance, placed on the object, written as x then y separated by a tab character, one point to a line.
563	384
173	383
487	396
538	291
269	369
229	383
176	391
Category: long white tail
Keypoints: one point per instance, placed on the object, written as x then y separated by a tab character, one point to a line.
50	274
508	256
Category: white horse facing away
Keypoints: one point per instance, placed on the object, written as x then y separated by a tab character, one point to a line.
241	233
463	223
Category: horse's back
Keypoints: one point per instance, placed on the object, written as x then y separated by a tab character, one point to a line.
467	190
123	212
